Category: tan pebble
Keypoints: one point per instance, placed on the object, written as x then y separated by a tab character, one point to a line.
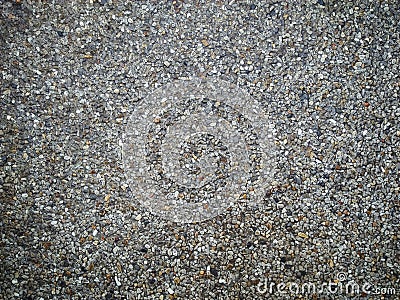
303	235
205	42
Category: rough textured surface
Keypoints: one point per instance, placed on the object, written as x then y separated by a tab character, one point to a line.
194	147
71	74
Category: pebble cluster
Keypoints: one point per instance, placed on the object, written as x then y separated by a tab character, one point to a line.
194	147
73	72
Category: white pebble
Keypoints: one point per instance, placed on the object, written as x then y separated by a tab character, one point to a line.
117	281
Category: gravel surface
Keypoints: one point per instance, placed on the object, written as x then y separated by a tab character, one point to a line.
72	73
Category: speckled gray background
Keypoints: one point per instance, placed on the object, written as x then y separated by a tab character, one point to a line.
71	74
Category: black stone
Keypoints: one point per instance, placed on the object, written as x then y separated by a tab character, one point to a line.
288	266
62	283
262	242
60	33
214	272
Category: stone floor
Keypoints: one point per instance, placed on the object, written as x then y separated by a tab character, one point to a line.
325	75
